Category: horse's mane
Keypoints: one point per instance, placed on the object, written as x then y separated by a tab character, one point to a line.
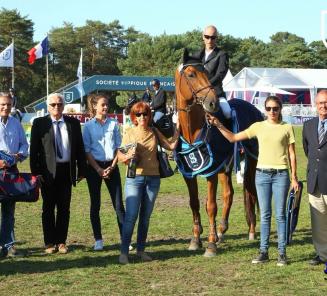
192	60
198	65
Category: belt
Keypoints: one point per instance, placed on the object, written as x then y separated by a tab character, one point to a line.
104	164
272	171
62	163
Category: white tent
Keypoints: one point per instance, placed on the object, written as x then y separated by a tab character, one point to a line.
228	77
277	80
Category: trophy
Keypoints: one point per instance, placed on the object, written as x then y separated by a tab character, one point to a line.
131	168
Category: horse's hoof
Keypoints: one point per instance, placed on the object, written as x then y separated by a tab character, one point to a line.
221	238
251	236
211	250
195	244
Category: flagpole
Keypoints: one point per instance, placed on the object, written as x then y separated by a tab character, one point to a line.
47	67
82	101
13	66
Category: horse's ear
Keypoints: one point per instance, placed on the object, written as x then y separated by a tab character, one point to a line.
186	56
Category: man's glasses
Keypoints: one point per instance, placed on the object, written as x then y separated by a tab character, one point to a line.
210	37
56	104
275	109
145	114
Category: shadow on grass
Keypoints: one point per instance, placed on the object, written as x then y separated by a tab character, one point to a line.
37	262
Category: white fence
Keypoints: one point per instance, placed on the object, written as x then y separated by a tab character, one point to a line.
295	114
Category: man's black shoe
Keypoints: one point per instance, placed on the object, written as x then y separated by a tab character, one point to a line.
316	261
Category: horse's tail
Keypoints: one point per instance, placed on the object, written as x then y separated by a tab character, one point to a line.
249	191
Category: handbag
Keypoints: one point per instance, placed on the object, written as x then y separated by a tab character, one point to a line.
15	186
165	169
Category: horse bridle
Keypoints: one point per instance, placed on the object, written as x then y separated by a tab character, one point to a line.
196	99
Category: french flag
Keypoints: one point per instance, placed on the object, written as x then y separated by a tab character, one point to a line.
38	51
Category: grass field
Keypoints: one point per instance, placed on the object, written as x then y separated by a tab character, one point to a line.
175	271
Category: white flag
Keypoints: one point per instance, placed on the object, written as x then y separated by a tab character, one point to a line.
80	76
7	56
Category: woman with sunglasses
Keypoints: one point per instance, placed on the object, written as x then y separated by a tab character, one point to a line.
101	140
276	153
142	190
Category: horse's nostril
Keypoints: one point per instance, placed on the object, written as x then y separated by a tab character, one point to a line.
210	106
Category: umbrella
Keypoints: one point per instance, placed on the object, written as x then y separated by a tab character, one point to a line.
292	212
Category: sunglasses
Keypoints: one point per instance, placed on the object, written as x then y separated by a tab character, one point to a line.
210	37
141	113
274	109
56	104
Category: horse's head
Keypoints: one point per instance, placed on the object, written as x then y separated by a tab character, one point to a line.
193	87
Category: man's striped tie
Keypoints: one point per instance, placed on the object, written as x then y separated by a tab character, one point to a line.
321	132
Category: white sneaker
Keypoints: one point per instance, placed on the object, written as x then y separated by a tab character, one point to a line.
98	246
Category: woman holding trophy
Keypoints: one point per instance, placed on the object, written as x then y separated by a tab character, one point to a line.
142	184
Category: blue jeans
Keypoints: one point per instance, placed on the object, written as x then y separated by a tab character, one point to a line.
7	237
140	196
276	185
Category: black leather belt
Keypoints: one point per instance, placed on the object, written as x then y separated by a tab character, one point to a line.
62	163
271	171
104	164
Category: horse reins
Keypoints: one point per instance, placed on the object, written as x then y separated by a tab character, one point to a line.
196	100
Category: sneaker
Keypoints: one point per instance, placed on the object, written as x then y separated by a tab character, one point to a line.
315	261
98	246
50	249
123	259
282	260
62	249
262	258
144	256
13	253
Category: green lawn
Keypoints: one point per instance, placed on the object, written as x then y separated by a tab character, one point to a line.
175	271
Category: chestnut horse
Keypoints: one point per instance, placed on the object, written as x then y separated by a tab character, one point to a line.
194	95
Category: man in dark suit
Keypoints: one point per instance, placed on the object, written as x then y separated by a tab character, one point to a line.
56	149
159	101
216	63
315	148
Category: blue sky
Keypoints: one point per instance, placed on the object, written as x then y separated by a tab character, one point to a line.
239	18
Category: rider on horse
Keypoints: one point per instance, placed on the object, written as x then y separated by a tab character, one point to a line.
216	64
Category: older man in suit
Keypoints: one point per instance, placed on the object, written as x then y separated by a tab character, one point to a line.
315	148
56	149
216	63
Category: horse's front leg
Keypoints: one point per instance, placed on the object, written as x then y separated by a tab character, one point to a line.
192	186
211	208
227	192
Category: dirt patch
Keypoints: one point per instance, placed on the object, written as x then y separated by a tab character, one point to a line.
170	200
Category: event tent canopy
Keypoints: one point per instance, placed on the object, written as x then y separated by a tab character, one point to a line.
271	79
